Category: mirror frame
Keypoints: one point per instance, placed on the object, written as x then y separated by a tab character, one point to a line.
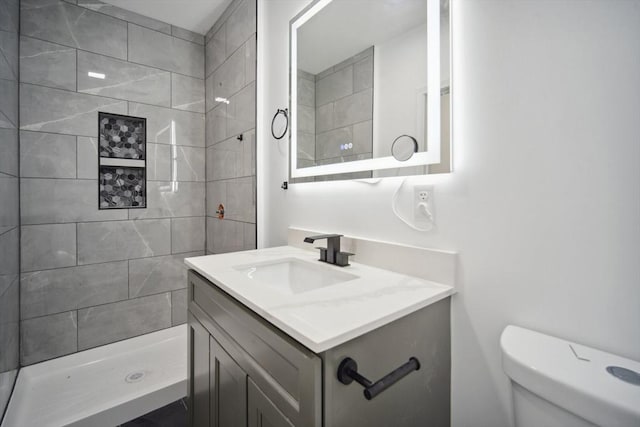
433	102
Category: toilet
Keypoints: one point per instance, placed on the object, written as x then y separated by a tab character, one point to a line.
558	383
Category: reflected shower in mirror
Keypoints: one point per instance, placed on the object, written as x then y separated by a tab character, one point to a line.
361	72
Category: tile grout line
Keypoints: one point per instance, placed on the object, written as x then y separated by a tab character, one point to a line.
111	56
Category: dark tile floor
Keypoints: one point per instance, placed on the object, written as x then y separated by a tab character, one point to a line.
172	415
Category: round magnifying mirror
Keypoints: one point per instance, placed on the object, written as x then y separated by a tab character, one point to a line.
403	147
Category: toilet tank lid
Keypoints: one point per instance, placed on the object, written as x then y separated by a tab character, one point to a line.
571	376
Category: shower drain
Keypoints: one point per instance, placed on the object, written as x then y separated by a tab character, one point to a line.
135	377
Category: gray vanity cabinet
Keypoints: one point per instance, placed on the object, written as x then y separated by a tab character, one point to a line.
245	372
242	370
262	411
228	388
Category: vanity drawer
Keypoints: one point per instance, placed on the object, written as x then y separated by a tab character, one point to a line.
288	372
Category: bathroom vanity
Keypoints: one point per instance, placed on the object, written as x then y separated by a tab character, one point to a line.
269	329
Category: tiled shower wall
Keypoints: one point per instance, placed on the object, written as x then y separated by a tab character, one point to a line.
9	199
89	276
306	119
344	110
230	88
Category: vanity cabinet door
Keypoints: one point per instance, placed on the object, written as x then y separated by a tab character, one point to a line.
198	361
228	389
262	411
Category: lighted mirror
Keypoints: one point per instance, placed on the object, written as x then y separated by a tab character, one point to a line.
362	74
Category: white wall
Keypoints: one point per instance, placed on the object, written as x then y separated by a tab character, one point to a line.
544	202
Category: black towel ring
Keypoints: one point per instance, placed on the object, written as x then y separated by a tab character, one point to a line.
285	113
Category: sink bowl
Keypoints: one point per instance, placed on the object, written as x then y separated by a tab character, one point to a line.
294	276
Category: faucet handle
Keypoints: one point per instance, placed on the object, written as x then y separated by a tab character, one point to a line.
323	253
342	258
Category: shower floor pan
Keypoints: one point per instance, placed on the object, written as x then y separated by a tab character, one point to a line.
104	386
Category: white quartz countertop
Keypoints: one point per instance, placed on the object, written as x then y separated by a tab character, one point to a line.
322	318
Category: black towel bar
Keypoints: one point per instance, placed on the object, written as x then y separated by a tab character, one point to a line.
348	371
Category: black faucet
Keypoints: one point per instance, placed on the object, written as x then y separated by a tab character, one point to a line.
331	254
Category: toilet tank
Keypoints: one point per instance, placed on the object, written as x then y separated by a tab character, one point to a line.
560	383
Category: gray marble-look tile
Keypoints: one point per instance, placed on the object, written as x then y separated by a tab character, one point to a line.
46	201
334	86
47	337
324	118
189	163
70	25
158	162
9	152
216	126
60	111
306	119
9	60
328	143
8	103
162	51
241	111
187	234
9	15
250	58
120	240
224	235
355	58
187	93
363	137
47	246
240	203
87	157
321	75
9	327
47	64
150	276
47	155
215	51
64	289
9	214
233	5
126	15
240	25
306	92
168	126
363	74
353	109
9	258
306	146
179	307
228	79
123	80
187	35
121	320
231	158
172	199
249	236
216	195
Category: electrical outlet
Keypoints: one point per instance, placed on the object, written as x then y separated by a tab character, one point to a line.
423	205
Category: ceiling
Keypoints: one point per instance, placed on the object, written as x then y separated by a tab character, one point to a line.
193	15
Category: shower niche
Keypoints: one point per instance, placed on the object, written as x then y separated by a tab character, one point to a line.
122	162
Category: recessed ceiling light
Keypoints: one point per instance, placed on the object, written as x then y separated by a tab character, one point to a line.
96	75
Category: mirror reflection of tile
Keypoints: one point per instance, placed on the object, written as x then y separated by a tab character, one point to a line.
335	115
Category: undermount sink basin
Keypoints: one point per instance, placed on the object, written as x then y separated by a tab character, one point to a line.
294	276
